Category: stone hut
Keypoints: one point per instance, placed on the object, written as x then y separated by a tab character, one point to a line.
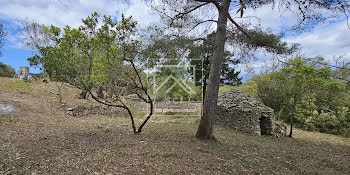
244	113
23	72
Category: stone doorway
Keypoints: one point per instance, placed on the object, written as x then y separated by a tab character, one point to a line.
265	125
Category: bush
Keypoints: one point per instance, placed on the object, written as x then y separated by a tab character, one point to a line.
6	70
325	122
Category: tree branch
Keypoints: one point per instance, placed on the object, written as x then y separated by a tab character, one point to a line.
199	23
216	3
182	14
238	26
179	15
118	106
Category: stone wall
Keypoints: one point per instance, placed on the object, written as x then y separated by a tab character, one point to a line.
95	110
244	113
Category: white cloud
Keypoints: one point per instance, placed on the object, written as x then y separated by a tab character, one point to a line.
62	12
268	16
326	40
141	12
56	12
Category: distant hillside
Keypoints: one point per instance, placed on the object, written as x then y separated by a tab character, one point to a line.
6	70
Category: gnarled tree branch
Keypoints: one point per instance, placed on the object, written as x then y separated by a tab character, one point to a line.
238	26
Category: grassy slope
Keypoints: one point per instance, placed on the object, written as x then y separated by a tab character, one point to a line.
41	139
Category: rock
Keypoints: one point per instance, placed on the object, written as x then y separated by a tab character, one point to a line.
244	113
6	108
70	109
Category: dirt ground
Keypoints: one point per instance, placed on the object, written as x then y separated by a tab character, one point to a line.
40	138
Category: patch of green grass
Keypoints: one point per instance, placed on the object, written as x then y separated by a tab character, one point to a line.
169	154
76	154
13	84
110	154
163	154
107	130
6	154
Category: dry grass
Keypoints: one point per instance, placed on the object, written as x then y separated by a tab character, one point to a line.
41	139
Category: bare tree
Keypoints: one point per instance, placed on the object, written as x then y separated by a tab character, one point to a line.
2	34
186	13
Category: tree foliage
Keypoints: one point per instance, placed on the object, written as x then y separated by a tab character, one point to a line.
6	70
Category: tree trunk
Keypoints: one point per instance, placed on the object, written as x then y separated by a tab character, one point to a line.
83	94
291	123
204	88
100	93
59	88
206	125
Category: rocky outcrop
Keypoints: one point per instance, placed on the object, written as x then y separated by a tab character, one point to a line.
244	113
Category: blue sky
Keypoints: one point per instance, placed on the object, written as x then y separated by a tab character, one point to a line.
13	55
326	40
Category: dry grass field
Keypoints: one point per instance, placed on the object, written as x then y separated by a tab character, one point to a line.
40	138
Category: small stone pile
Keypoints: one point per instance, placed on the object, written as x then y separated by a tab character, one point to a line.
94	110
244	113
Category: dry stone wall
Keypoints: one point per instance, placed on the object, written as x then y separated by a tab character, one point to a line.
95	110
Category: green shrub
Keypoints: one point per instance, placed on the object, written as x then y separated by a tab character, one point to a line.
325	122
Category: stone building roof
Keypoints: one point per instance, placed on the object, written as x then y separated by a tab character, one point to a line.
241	101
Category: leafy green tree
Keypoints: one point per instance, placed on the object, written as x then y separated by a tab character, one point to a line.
6	70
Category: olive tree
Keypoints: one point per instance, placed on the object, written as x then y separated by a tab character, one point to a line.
90	56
